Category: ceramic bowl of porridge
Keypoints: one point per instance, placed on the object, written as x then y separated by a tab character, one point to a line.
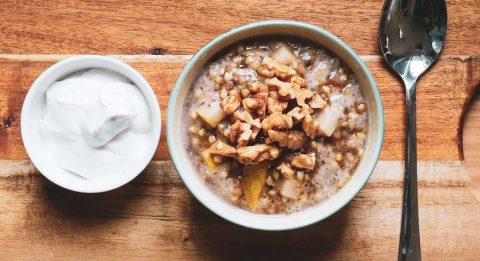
275	125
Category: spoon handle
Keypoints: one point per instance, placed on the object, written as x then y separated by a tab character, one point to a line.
409	248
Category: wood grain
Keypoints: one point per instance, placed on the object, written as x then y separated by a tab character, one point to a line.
440	98
156	217
471	141
182	27
471	127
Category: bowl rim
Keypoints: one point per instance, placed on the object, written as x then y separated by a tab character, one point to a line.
269	23
108	63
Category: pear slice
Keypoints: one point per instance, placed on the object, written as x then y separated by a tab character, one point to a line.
328	119
254	177
290	189
208	159
284	55
211	113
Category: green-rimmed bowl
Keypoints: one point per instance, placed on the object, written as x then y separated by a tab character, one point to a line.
178	139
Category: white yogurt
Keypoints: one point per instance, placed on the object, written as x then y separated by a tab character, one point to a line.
96	123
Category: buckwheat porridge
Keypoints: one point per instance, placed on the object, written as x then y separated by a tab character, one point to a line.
275	126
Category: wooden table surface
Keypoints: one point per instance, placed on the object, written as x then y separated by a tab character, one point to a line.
155	216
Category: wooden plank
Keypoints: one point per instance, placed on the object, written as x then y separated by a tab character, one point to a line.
156	217
471	126
471	141
441	95
182	27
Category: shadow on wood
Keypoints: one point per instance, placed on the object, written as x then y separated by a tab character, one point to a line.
222	240
106	204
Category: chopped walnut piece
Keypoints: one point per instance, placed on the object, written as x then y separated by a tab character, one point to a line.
231	103
298	81
257	153
246	134
279	136
273	95
286	94
235	131
275	106
265	71
306	110
285	89
296	139
254	132
317	102
257	87
276	84
286	171
296	115
293	139
270	68
311	127
277	121
258	102
304	161
250	104
302	95
247	117
241	133
223	149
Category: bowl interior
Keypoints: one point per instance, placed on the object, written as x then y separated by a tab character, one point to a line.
33	110
324	209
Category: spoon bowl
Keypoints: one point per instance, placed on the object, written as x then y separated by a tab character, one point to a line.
412	34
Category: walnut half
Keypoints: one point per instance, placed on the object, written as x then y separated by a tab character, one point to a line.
271	68
247	117
257	153
284	90
257	104
275	106
304	161
231	103
277	121
286	171
311	127
223	149
241	133
293	139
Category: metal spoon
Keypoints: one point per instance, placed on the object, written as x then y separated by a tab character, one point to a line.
412	33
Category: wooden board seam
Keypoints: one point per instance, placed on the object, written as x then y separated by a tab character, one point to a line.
172	58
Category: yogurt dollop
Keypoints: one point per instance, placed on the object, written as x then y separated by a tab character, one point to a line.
96	123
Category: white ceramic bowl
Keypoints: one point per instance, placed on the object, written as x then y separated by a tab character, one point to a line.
33	109
177	139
